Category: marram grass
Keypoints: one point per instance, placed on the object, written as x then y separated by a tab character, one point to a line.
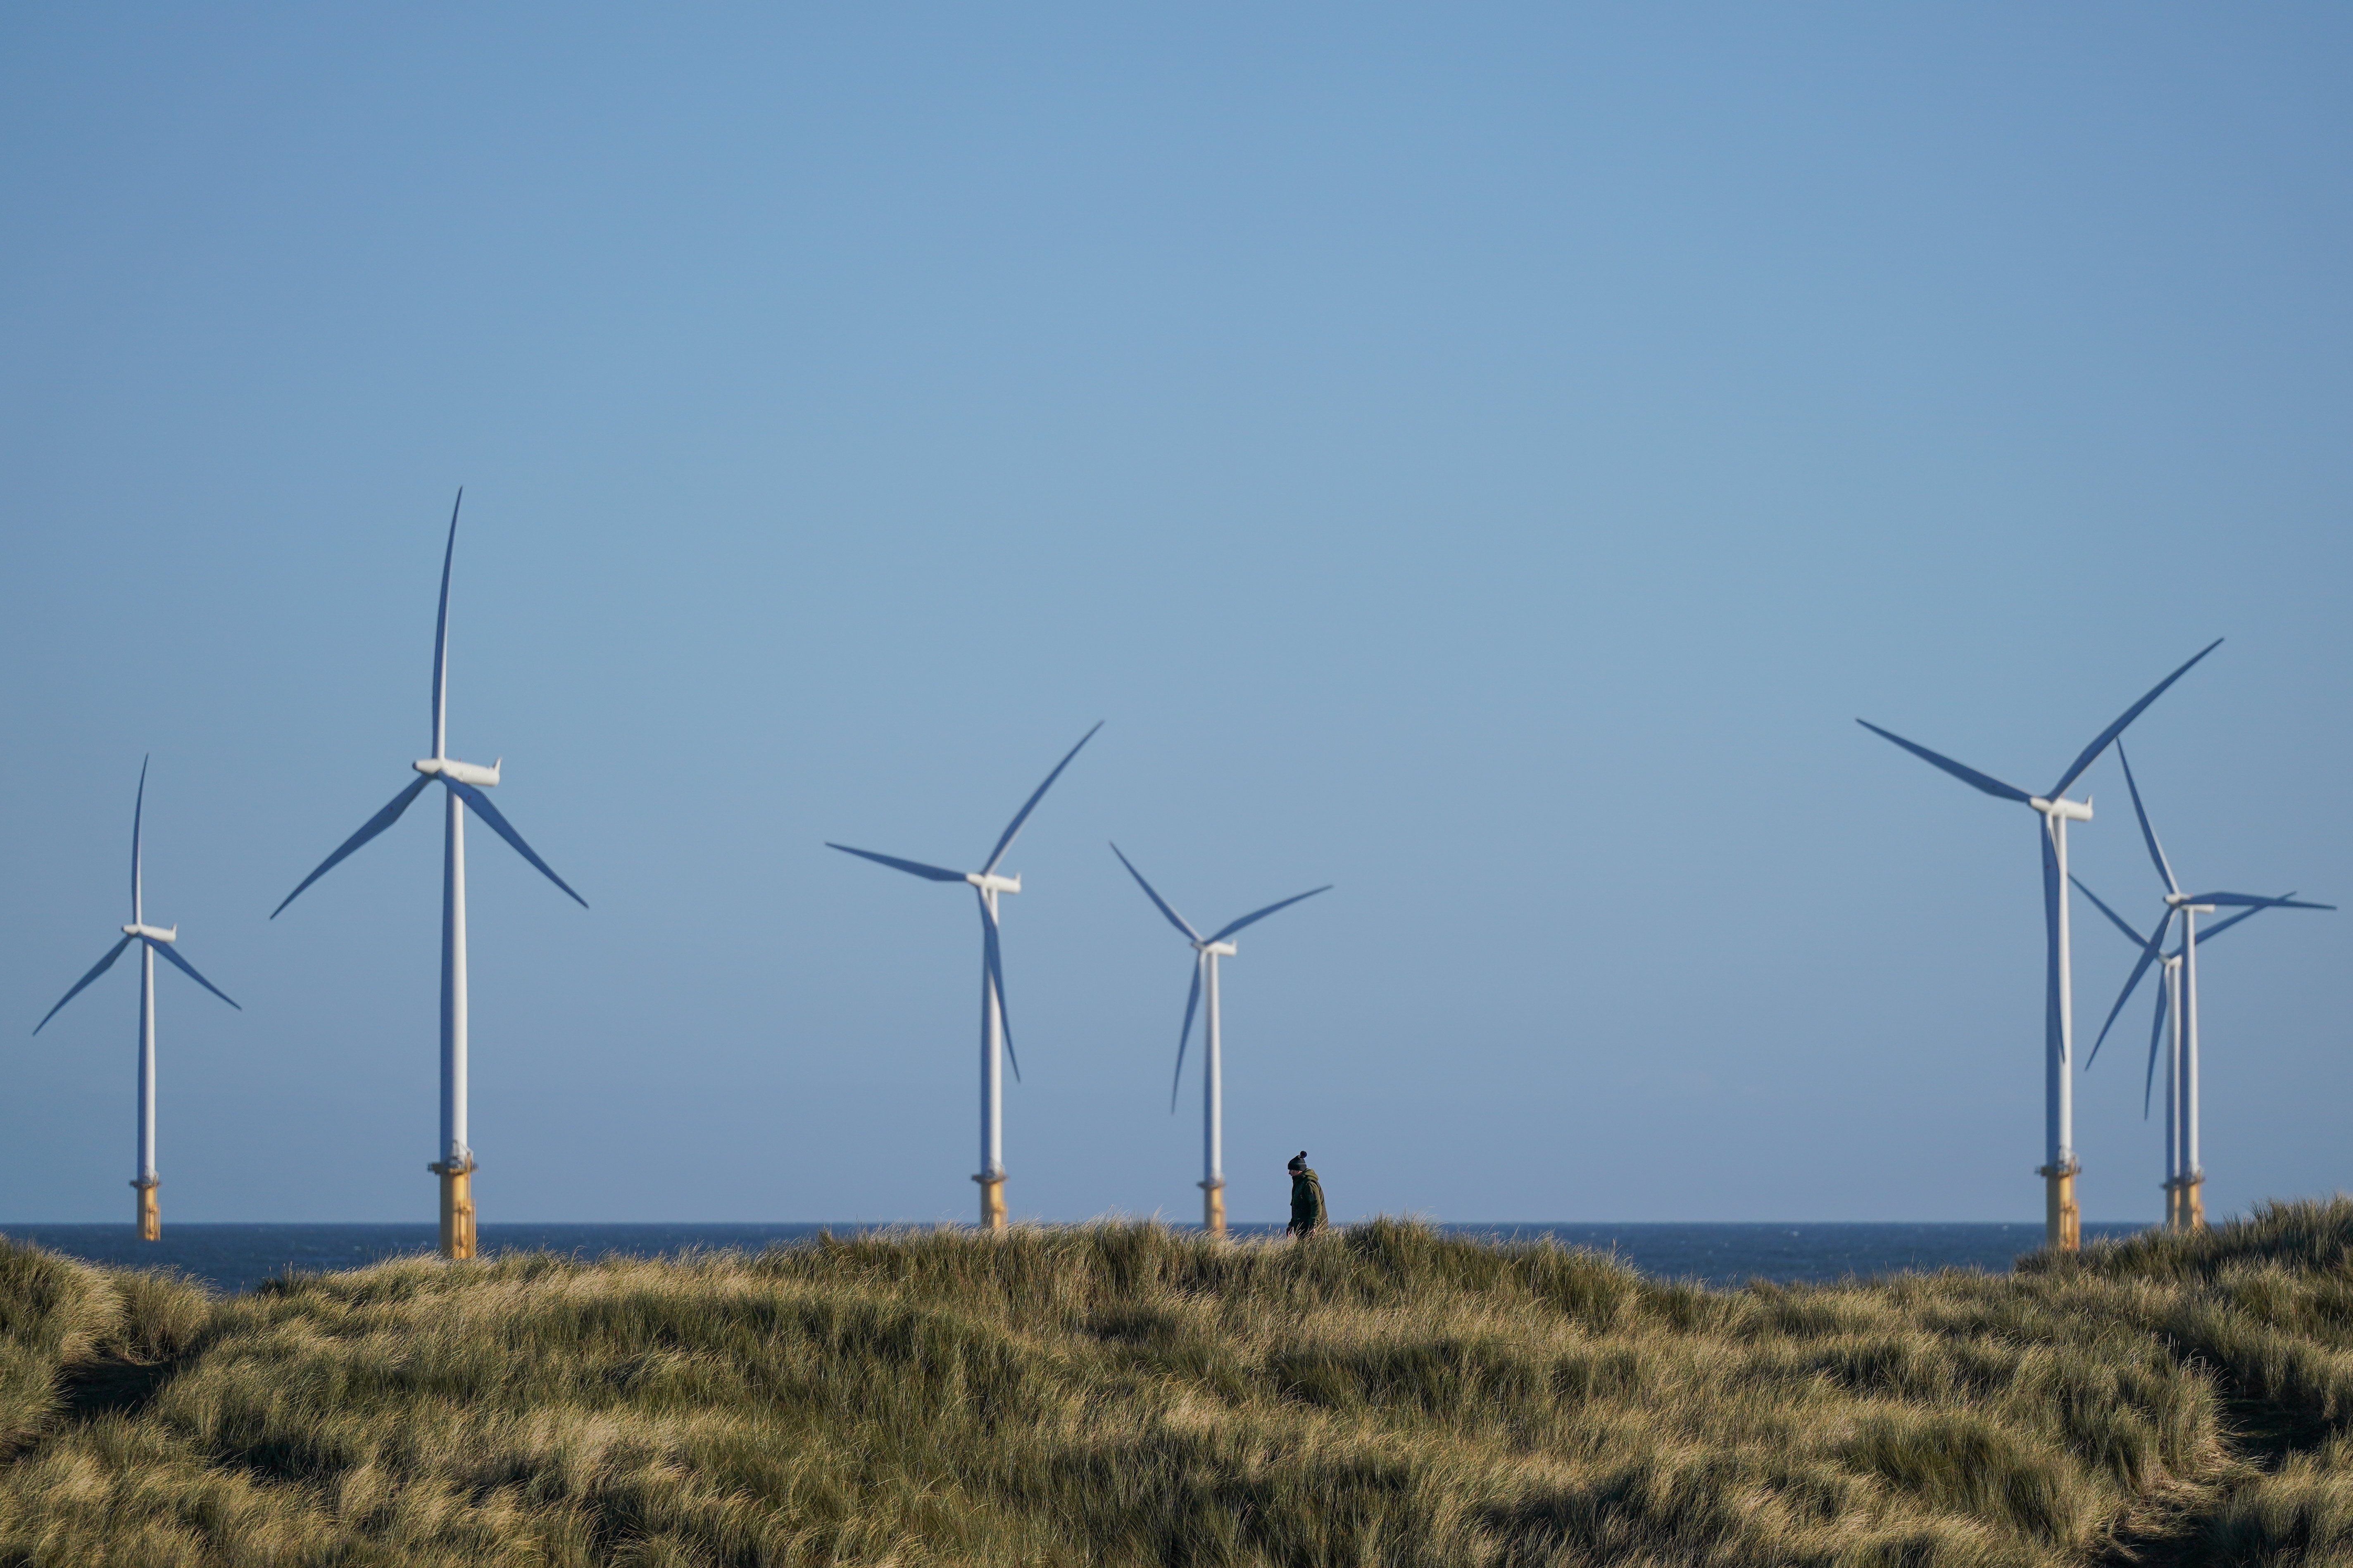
1119	1393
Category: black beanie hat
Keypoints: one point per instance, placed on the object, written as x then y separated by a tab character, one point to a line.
1298	1160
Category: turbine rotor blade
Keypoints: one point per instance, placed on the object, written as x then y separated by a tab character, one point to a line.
2254	902
2092	753
1179	921
1967	774
993	957
1253	918
2152	949
2147	833
441	635
369	829
100	967
1014	828
2114	919
168	951
2156	1035
482	806
138	817
2219	927
914	867
1192	1001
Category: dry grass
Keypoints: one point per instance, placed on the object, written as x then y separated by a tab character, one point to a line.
1123	1395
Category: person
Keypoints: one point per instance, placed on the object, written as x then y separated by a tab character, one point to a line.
1307	1215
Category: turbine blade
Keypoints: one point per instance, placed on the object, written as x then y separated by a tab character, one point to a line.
993	956
914	868
1014	828
1967	774
2092	753
2115	918
100	967
441	635
2147	833
2255	901
2156	1036
2152	948
369	829
2219	927
188	969
138	817
1253	918
1192	1001
1175	918
482	806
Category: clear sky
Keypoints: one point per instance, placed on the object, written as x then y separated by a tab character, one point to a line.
1482	457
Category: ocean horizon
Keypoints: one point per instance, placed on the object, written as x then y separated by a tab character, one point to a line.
235	1257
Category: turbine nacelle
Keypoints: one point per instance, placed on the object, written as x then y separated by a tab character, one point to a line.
464	773
2181	901
152	933
2064	809
1215	949
990	882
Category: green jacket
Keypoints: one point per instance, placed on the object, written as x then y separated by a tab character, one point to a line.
1306	1202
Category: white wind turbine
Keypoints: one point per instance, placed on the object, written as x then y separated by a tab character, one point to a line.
465	783
2062	1221
152	941
1206	950
2185	1206
995	1032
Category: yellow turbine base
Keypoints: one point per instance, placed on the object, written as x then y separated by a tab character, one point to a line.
2063	1223
1213	1207
457	1208
992	1204
151	1213
2193	1204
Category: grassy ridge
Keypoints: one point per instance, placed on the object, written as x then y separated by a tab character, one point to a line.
1122	1395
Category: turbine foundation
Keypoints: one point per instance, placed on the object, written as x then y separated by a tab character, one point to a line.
2193	1202
1213	1207
151	1213
456	1208
2063	1223
992	1202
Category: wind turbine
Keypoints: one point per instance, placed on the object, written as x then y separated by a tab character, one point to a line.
152	941
464	783
2061	1220
2185	1207
1206	950
995	1032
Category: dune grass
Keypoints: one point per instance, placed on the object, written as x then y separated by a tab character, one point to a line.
1120	1393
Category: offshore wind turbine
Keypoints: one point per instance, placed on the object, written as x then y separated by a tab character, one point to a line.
2062	1221
1206	950
2185	1206
152	940
464	783
995	1031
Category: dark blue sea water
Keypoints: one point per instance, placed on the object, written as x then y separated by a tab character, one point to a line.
239	1256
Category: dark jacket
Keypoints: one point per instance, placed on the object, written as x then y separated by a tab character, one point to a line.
1306	1202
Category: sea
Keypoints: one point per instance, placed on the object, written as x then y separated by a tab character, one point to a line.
234	1258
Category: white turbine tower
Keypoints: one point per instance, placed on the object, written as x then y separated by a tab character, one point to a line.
1206	950
2062	1221
995	1031
2185	1206
465	783
152	941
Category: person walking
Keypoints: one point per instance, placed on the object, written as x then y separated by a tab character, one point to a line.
1307	1215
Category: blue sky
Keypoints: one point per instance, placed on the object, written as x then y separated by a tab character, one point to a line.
1483	460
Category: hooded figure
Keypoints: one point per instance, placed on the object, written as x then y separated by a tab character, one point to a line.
1307	1215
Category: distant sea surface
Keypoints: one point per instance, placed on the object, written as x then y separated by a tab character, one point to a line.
240	1256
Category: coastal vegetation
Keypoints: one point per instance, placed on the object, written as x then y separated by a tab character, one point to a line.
1123	1394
